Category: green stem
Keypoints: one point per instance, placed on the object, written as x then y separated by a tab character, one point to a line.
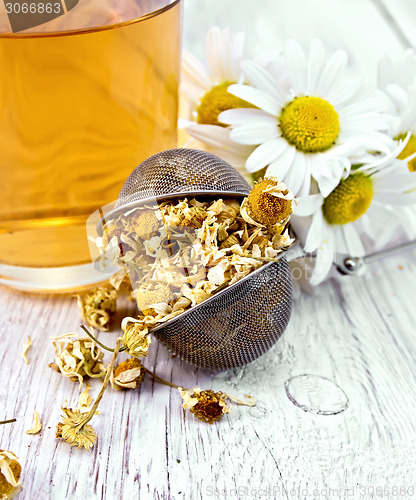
110	367
100	343
160	380
7	421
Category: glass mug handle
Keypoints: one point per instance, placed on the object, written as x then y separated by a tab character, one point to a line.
25	14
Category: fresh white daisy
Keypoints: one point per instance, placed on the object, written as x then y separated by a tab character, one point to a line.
364	203
398	80
204	87
397	77
314	127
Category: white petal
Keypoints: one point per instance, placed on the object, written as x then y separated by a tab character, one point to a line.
213	51
316	232
315	64
194	70
257	97
324	259
241	116
265	154
327	184
295	177
344	92
279	167
254	133
308	205
296	64
395	199
353	241
236	55
332	71
261	78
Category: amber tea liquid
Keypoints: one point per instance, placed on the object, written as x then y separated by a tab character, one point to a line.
78	112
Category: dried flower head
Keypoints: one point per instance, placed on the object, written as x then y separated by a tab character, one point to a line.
145	224
270	202
135	337
10	471
73	432
97	307
208	406
78	357
128	375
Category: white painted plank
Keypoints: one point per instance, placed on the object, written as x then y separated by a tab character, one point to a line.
355	331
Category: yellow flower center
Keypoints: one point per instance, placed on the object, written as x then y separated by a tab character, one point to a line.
217	100
311	124
409	149
349	200
267	208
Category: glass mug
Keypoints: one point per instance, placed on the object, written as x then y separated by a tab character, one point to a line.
85	95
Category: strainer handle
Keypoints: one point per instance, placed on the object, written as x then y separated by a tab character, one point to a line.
352	265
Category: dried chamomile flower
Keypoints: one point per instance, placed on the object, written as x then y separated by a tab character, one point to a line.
145	298
208	406
73	432
97	307
10	471
128	375
74	428
144	223
135	337
77	357
26	347
37	424
269	203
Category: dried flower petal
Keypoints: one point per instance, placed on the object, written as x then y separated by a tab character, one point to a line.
208	406
10	471
78	357
135	337
37	425
84	401
245	400
128	375
97	307
26	347
69	431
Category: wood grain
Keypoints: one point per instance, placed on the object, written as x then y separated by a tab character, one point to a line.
358	332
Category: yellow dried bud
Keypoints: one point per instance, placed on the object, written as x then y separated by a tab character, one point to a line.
208	406
69	430
97	307
10	471
269	202
129	374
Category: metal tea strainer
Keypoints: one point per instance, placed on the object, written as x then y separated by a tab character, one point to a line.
239	323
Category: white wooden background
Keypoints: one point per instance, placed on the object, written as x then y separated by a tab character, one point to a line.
357	332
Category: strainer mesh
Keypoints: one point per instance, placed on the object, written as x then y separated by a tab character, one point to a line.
238	326
179	171
240	323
